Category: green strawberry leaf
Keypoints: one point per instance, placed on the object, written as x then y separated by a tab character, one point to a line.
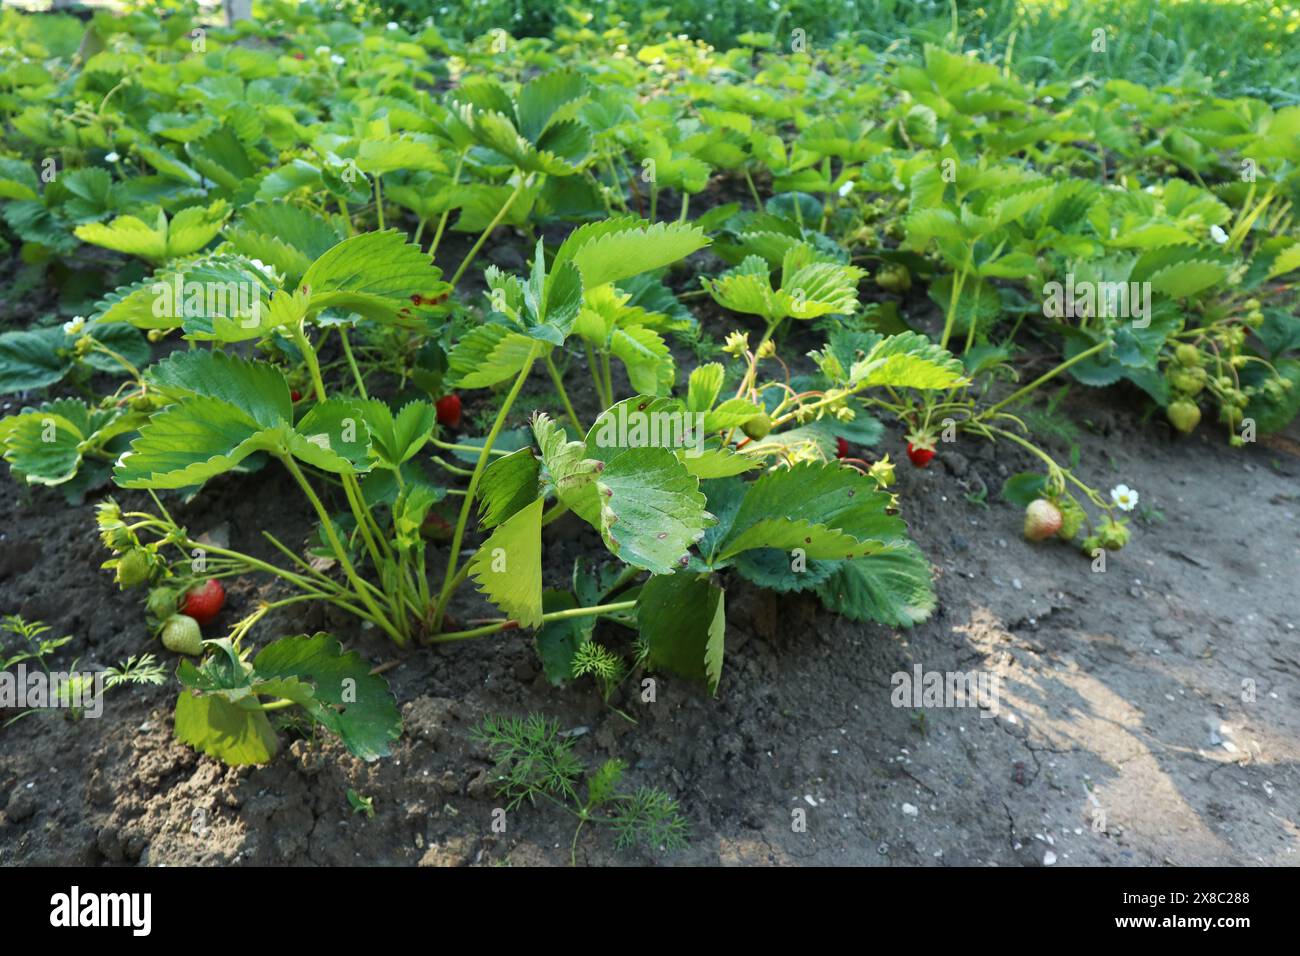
508	566
490	354
192	441
32	358
396	439
238	734
347	699
333	437
825	510
893	588
508	485
43	446
682	619
375	274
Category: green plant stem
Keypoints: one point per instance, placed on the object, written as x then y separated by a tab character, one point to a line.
340	552
686	205
449	467
753	192
605	401
564	395
558	511
358	507
1051	463
751	373
573	845
958	279
609	379
356	501
473	449
379	202
352	362
299	335
458	535
496	220
498	626
1020	393
442	220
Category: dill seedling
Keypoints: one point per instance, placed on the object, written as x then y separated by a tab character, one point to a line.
533	760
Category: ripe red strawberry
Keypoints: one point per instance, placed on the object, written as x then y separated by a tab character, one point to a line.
437	527
203	601
841	448
919	454
920	447
1042	520
449	410
295	396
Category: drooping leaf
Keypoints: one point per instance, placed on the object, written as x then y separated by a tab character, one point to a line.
893	588
682	619
508	566
490	354
238	735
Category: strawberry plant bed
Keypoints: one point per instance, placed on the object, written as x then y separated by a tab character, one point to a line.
607	448
1089	662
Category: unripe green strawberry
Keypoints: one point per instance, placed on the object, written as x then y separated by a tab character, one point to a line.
1185	415
1113	534
1090	544
133	569
1042	520
181	635
758	426
1189	381
894	277
1187	355
1230	415
1072	518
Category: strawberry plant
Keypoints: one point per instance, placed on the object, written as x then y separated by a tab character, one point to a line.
226	252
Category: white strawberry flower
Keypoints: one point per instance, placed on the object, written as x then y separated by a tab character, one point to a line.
1218	235
75	326
337	60
322	50
391	25
846	189
1125	498
266	270
111	157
